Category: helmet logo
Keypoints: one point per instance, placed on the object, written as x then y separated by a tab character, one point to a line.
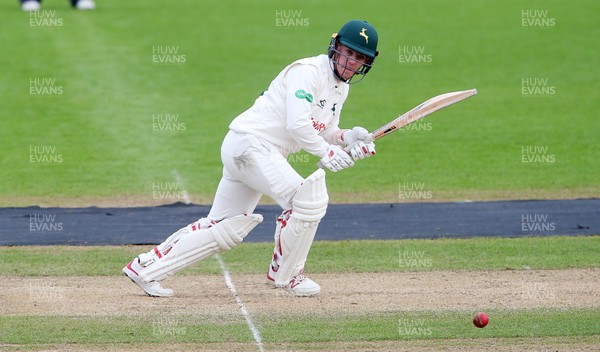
364	35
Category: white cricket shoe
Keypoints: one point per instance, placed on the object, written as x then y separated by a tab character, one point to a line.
299	285
85	5
302	286
152	288
31	5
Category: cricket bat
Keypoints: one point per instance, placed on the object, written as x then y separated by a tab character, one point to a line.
420	111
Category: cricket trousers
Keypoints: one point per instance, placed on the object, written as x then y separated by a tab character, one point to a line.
252	167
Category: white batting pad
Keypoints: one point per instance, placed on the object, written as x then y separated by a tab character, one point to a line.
198	245
308	208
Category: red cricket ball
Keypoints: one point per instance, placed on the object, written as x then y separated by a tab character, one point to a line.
480	320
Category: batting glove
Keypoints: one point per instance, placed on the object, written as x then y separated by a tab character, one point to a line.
361	150
336	159
356	134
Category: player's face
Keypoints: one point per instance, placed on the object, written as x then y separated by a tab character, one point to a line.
349	61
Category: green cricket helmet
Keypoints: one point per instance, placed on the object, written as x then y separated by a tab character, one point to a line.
359	36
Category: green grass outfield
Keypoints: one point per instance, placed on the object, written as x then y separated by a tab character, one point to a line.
509	327
94	123
572	325
535	253
90	135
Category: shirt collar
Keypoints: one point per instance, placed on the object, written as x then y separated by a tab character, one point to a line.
333	83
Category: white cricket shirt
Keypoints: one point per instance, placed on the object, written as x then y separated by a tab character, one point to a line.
300	109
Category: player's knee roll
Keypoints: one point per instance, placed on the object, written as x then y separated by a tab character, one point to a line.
228	235
310	201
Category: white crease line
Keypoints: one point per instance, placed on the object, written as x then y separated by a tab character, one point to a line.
249	321
228	280
184	193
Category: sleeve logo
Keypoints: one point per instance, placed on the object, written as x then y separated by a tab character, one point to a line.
301	94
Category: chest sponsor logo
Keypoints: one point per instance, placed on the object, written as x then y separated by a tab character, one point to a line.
319	126
302	94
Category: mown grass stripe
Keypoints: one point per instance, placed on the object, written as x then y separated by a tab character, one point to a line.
298	329
329	257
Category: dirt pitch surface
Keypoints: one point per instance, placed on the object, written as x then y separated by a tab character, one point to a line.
208	297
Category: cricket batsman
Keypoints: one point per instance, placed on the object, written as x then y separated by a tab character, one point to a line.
299	111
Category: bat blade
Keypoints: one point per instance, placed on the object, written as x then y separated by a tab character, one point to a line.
420	111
